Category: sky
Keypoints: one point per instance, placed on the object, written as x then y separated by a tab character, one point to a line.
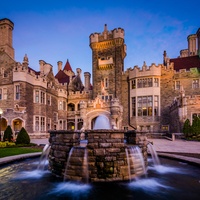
58	30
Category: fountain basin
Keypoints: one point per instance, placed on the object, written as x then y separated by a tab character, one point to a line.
106	154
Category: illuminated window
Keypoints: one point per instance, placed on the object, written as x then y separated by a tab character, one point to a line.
145	105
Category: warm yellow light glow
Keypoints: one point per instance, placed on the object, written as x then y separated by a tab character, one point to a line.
1	111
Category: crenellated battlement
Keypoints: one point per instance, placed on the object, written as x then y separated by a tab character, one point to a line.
107	35
152	70
79	94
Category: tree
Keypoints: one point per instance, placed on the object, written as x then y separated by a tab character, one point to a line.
8	135
187	128
196	125
23	137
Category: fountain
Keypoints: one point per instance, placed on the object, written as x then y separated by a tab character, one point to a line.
109	158
173	180
114	167
102	122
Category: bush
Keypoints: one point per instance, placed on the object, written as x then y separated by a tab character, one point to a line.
23	137
187	128
6	144
8	135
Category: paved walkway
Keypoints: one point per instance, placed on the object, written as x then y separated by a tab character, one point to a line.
178	149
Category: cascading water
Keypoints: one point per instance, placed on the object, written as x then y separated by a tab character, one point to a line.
136	165
154	154
44	157
41	169
77	165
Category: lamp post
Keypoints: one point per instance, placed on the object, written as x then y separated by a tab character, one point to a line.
1	112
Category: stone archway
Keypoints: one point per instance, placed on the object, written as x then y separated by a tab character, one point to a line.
17	124
92	116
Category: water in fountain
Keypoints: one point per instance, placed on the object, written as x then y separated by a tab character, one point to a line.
44	157
41	169
153	154
136	165
77	165
102	122
181	184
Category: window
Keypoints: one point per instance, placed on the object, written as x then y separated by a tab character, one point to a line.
0	94
60	105
133	106
49	124
145	105
17	97
37	123
195	83
48	100
106	82
156	82
60	124
64	105
4	93
55	117
145	82
42	123
133	84
37	96
195	115
150	83
177	85
42	97
155	105
71	107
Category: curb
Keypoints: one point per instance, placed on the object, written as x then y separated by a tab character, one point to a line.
10	159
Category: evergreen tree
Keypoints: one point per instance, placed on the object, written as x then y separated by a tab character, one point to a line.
196	125
8	135
187	128
23	137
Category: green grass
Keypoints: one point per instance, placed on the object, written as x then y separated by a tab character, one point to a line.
4	152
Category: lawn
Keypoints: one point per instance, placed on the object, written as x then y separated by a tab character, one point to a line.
4	152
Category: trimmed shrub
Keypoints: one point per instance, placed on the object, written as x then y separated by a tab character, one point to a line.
8	135
196	126
23	137
187	128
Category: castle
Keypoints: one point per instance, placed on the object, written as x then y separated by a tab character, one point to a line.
155	98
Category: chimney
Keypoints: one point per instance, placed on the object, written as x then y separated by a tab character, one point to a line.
59	65
87	76
192	41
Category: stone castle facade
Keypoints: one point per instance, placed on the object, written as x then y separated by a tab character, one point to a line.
152	98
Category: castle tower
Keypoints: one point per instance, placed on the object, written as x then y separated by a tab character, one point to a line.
108	53
198	41
192	49
6	28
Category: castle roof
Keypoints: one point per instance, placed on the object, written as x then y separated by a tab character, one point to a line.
62	77
67	66
186	62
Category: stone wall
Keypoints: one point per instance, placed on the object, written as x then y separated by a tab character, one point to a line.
106	155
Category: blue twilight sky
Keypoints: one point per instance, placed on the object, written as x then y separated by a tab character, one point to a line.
58	30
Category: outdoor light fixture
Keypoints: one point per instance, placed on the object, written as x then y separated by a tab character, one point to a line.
1	112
